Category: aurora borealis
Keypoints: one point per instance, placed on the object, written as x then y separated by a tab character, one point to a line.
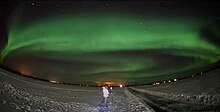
108	46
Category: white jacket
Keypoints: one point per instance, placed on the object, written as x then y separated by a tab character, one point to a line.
105	92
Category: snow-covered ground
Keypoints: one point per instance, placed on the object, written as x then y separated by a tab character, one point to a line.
21	94
201	93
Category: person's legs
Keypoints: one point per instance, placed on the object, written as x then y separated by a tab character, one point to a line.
105	102
107	99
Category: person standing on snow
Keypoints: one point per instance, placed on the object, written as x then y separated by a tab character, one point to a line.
105	95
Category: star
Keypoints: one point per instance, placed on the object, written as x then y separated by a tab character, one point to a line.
32	3
107	4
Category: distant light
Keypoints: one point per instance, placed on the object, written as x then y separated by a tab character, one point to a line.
157	83
108	83
201	73
164	81
120	86
175	80
169	81
53	81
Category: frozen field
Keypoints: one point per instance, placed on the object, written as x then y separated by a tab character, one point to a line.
19	94
201	93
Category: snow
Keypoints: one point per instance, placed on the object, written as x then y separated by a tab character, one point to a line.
201	93
21	94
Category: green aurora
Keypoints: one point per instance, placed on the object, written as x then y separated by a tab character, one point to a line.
113	47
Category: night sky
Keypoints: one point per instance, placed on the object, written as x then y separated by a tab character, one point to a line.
84	42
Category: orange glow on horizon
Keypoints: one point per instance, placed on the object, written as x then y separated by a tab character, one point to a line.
24	71
109	83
